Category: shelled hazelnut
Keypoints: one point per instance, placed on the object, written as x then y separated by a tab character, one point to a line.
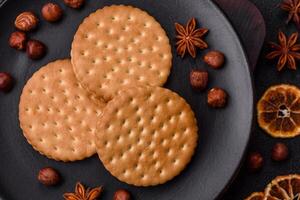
255	161
26	21
17	40
280	152
217	98
214	59
6	82
35	49
122	195
198	79
74	3
52	12
49	176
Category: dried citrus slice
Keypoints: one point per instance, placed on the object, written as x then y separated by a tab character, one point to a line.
279	111
284	187
256	196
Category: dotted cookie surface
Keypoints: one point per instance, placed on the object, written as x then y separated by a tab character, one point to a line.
120	46
57	116
146	135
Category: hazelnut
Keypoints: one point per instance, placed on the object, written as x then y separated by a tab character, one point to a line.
35	49
215	59
198	79
52	12
17	40
26	21
6	82
74	3
255	161
49	176
122	195
217	98
280	152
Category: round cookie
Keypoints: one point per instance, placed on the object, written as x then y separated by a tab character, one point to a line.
56	114
146	135
120	46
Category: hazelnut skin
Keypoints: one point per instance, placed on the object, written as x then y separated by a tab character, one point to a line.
255	161
214	59
17	40
26	21
35	49
49	176
6	82
280	152
74	3
52	12
217	98
122	195
198	79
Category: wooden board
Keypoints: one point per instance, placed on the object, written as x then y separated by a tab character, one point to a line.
248	23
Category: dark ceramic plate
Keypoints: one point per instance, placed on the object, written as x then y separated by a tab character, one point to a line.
223	133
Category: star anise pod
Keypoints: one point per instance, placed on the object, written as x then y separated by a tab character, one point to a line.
83	194
189	38
286	50
293	8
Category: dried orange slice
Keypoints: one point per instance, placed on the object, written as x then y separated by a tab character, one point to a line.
279	111
283	188
256	196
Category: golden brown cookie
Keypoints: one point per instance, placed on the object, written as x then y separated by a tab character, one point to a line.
146	135
56	114
120	46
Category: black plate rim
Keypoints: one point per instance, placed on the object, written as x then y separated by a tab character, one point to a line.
245	58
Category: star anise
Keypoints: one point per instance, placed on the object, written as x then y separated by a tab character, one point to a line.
286	50
293	8
83	194
189	38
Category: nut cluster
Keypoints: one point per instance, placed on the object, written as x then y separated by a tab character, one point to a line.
26	21
216	97
280	152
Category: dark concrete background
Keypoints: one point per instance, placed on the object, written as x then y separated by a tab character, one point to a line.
266	75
